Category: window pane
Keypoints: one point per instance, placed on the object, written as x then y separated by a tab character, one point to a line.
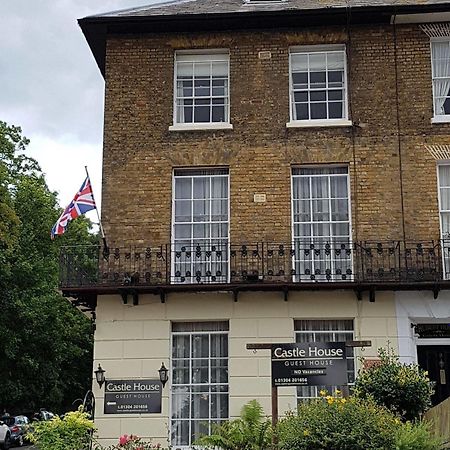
182	231
220	69
299	62
218	114
201	187
181	346
300	80
302	230
318	111
302	211
184	88
302	112
338	187
316	96
180	432
183	187
335	95
335	110
300	97
202	114
319	186
202	87
219	187
185	70
339	210
183	212
317	62
317	80
320	210
335	60
340	230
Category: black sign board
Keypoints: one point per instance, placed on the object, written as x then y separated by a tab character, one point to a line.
132	396
309	364
432	330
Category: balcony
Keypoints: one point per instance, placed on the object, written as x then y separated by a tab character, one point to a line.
302	265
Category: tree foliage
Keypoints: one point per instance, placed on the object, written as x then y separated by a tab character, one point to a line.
45	343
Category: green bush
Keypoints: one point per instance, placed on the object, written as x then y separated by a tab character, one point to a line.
73	432
404	389
252	431
333	423
416	436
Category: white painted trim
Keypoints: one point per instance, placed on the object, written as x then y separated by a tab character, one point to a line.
431	341
201	126
190	333
313	49
421	18
440	119
349	203
319	123
200	52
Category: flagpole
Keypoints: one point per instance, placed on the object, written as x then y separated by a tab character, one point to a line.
106	249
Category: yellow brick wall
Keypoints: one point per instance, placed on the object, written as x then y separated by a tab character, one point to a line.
140	152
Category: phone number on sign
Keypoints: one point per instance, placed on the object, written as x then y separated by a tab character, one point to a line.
291	380
132	407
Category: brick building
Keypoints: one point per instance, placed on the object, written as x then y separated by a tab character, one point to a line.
273	171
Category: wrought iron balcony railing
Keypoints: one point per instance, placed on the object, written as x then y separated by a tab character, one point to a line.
220	263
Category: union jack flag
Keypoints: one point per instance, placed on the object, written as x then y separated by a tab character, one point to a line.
81	203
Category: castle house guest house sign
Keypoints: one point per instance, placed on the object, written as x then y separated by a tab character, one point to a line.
132	396
309	364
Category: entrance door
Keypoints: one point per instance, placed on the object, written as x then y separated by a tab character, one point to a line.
436	360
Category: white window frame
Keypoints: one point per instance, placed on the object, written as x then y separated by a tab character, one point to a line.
190	385
342	122
335	277
445	239
202	55
192	279
437	118
316	389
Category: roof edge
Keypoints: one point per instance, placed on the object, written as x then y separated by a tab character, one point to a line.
96	28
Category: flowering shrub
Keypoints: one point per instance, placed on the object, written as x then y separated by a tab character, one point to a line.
335	423
73	432
131	442
405	389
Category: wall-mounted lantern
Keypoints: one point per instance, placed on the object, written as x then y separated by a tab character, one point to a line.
163	374
100	376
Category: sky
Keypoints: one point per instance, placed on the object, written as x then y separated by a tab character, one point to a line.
51	87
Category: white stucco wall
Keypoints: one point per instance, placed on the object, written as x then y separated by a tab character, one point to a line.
132	341
418	307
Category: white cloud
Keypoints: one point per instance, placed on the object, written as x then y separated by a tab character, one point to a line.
63	163
52	88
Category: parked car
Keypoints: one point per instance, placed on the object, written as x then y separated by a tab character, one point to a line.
43	414
17	426
5	436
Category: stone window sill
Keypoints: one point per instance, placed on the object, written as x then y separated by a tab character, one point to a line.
319	123
200	126
440	119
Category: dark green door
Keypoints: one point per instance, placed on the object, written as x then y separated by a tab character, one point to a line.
436	360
